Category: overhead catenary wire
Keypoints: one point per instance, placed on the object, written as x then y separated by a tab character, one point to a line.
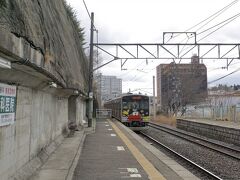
217	68
224	76
227	21
209	19
213	16
216	14
85	5
224	23
95	29
135	78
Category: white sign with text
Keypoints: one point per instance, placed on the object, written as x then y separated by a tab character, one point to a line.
7	104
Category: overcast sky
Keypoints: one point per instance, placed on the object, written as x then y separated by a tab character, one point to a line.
144	21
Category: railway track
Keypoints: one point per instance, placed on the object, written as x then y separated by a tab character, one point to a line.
219	158
220	148
199	168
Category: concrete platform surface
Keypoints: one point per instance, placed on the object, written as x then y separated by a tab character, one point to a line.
105	157
109	151
114	152
61	164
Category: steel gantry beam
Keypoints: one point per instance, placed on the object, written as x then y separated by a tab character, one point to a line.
126	51
166	50
169	51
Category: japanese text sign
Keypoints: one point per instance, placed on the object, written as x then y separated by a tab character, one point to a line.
7	104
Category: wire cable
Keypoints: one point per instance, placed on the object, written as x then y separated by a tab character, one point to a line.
224	76
228	19
233	18
85	5
214	15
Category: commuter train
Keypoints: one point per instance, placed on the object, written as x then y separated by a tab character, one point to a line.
131	109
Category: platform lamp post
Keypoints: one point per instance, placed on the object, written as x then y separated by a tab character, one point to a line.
90	88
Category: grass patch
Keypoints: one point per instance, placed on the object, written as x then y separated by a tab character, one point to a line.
165	120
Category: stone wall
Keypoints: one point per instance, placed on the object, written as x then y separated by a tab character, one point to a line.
225	134
43	32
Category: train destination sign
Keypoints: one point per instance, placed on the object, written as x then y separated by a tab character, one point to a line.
7	104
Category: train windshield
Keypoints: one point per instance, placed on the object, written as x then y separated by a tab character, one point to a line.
135	102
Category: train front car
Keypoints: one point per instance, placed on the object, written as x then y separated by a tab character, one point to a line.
135	111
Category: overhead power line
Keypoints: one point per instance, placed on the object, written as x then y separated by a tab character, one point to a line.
216	14
85	5
211	17
224	23
224	76
227	21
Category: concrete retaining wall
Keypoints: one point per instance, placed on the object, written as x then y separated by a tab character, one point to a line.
81	112
41	119
228	135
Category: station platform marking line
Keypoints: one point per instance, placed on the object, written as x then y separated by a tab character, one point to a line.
152	172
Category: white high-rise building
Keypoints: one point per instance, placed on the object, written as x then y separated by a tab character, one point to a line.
108	87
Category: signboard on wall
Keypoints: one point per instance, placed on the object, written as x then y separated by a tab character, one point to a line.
7	104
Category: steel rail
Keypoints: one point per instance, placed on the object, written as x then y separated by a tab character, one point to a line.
182	157
198	138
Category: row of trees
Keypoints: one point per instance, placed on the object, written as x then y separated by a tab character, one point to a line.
225	87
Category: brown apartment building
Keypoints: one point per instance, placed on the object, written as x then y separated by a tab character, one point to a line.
181	83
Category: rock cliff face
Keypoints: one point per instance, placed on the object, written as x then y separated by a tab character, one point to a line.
46	27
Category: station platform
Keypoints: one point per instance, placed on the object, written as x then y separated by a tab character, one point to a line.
115	152
109	151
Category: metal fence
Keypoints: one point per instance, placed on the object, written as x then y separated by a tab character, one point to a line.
231	113
103	113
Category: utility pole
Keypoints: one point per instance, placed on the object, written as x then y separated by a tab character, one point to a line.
90	93
154	102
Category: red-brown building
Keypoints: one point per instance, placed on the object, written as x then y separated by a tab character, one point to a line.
181	84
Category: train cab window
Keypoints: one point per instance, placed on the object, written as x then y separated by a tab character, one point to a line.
135	105
125	105
144	104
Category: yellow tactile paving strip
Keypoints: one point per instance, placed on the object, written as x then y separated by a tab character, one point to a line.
152	172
